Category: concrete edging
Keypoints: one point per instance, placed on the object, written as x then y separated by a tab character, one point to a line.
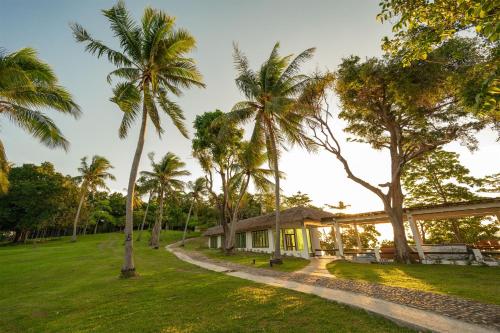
401	314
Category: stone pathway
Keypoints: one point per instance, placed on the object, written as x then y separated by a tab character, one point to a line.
458	309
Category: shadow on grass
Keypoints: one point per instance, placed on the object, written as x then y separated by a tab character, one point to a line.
473	282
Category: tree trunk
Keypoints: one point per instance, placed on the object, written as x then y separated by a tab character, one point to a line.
277	245
456	231
77	217
395	213
17	235
95	228
155	234
144	218
187	221
128	268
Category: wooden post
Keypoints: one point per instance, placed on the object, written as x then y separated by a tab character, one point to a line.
416	237
338	239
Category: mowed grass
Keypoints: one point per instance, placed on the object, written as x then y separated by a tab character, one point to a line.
290	264
473	282
61	286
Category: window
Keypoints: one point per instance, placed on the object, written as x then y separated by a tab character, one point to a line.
241	240
213	242
260	239
288	240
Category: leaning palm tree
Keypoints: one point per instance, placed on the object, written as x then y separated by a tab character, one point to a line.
27	85
272	104
166	174
152	65
198	189
92	177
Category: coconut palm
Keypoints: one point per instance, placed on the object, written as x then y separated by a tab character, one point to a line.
272	104
166	175
144	186
27	85
198	189
92	177
152	65
250	169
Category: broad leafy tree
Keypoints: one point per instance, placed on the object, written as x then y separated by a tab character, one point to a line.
92	177
420	26
166	175
407	111
271	105
298	199
153	66
27	86
438	177
37	199
216	144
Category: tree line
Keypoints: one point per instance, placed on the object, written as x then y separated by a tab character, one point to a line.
430	88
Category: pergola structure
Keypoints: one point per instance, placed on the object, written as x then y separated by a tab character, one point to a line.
481	207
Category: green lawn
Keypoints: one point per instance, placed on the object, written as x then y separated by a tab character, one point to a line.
60	286
290	264
474	282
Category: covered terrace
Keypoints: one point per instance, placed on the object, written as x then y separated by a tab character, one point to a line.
481	207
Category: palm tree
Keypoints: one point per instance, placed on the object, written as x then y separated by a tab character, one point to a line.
27	85
166	175
143	186
272	103
91	178
249	168
198	189
152	64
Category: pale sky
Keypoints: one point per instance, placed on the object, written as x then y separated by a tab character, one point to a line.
336	28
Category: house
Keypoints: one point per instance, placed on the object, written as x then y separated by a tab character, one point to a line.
300	236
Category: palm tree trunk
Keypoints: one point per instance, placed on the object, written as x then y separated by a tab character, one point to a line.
155	234
277	244
144	218
75	223
128	268
187	221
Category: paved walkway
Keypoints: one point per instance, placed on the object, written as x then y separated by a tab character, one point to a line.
317	267
421	310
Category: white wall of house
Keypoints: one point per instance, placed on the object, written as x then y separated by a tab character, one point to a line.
315	235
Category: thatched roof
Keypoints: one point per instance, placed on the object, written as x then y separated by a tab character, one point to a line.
293	217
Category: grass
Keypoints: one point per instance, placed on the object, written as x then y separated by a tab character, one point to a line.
61	286
473	282
290	264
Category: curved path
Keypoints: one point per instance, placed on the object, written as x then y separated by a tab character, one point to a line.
416	309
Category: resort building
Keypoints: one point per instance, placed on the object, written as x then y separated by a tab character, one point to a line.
300	236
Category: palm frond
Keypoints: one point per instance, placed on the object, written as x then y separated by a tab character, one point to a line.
38	125
98	48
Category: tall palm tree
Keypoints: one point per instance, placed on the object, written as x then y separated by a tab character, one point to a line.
166	175
27	85
152	65
92	177
272	104
250	169
198	189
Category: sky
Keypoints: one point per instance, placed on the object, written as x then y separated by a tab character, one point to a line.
336	28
